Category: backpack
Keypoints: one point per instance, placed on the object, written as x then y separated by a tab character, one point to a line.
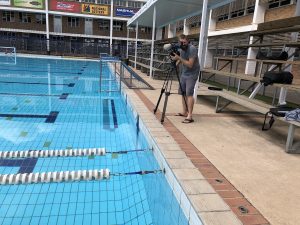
279	111
263	56
281	77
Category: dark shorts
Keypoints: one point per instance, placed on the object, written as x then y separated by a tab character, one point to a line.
188	85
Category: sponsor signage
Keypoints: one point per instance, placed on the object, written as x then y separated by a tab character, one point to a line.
35	4
95	9
4	2
65	6
127	12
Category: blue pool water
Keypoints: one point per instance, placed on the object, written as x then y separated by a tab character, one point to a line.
60	104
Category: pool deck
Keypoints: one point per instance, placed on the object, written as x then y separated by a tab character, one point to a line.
246	167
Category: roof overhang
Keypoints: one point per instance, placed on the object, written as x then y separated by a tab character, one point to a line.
170	11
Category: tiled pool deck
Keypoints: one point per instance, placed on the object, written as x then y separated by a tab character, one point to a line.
213	196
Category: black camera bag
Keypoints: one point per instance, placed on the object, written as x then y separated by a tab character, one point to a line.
263	56
278	111
281	77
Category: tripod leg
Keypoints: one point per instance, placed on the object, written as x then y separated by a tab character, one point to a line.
167	94
158	101
163	89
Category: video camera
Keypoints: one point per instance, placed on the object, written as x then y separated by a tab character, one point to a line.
172	49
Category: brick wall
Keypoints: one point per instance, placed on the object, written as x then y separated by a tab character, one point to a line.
236	22
195	30
33	25
280	13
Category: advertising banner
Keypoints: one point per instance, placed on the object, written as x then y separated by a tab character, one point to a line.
127	12
35	4
102	10
4	2
64	6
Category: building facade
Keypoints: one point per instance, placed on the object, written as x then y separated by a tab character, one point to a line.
70	26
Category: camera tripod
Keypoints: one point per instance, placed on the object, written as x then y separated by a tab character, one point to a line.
166	89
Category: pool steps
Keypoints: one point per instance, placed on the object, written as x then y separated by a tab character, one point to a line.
50	177
53	153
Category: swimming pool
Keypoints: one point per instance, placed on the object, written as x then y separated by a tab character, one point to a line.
60	104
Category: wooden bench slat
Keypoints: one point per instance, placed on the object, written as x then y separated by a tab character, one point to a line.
294	87
258	60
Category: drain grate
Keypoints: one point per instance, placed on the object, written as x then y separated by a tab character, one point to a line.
243	209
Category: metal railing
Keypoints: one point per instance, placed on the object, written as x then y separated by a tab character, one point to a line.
63	47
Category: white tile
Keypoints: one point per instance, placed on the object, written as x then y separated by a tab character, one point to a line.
185	204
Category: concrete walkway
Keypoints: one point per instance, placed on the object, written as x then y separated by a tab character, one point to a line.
254	162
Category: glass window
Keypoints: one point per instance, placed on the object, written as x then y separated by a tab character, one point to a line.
103	24
104	2
145	29
278	3
73	22
118	25
8	16
24	17
134	4
88	1
40	18
120	2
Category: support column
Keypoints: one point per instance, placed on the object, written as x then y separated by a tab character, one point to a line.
171	30
47	27
111	27
258	17
202	41
159	34
127	42
210	53
152	41
186	28
136	42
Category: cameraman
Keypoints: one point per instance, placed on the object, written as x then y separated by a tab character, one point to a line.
190	67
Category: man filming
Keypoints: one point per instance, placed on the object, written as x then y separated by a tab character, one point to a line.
190	67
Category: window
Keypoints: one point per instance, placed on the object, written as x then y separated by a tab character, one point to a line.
278	3
145	29
120	2
24	18
134	4
88	1
237	13
40	18
104	2
118	25
223	17
73	22
103	24
8	16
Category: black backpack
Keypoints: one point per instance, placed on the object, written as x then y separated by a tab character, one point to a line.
281	77
278	111
263	56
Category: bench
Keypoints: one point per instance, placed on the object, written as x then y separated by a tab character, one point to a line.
295	87
252	104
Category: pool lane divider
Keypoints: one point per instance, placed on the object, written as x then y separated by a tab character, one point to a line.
62	96
49	118
57	176
40	71
62	153
66	176
37	83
